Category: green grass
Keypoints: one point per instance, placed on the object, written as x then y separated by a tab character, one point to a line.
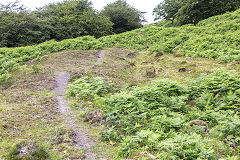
143	120
28	114
12	58
29	96
214	38
29	111
156	118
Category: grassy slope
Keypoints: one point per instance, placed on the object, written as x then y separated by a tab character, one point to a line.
215	37
30	98
141	68
29	110
166	134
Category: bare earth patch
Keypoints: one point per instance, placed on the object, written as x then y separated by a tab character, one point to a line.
80	137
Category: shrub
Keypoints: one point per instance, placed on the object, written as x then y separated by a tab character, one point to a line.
186	147
30	151
156	118
87	88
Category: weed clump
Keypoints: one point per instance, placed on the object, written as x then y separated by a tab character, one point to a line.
27	151
88	88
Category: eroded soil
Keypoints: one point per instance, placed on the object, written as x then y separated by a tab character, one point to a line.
80	137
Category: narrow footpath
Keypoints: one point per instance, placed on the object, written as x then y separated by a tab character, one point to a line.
81	138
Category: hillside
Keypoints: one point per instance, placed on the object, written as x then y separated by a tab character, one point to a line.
157	92
216	38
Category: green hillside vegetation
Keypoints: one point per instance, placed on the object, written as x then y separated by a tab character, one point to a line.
11	58
216	38
165	119
156	118
124	17
159	90
181	12
20	26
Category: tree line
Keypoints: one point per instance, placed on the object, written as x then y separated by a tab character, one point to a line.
73	18
181	12
67	19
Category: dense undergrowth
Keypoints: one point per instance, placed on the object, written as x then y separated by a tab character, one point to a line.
168	120
216	37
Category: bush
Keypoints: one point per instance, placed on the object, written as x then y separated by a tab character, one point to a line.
18	27
30	151
87	88
193	11
74	18
123	16
185	146
219	90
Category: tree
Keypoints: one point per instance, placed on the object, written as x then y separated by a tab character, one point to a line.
74	18
167	9
192	11
19	28
124	17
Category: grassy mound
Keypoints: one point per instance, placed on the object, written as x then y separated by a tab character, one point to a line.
27	151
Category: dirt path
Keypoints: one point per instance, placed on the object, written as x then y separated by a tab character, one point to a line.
80	137
100	56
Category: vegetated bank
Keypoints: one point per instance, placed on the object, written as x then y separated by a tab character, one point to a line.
216	37
166	119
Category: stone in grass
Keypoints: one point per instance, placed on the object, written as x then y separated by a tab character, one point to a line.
27	151
182	70
177	55
131	55
94	117
150	72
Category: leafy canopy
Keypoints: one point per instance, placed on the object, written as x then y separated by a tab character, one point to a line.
124	17
167	9
74	18
63	20
193	11
18	27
